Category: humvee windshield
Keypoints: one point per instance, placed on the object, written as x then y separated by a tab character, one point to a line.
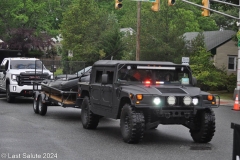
154	75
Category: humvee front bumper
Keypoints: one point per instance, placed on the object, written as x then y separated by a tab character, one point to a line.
176	106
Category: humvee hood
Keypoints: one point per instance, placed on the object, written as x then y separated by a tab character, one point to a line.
162	90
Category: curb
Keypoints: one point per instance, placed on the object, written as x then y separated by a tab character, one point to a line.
226	102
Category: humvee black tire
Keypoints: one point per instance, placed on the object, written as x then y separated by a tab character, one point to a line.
42	107
9	98
89	119
35	105
132	124
204	126
155	127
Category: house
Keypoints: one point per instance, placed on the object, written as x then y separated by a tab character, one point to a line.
222	47
127	31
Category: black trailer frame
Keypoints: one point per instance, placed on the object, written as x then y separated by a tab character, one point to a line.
53	97
45	95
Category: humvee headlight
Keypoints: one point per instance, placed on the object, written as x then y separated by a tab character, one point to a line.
195	101
171	100
139	97
187	100
156	100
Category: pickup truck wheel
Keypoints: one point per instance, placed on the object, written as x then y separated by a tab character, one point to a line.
9	98
42	107
132	124
204	126
89	119
35	105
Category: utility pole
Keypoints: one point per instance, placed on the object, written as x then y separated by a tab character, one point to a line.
138	30
238	59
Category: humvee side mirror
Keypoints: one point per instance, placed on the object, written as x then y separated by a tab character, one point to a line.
104	78
194	81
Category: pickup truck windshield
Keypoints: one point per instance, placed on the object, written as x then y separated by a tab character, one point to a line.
154	74
26	64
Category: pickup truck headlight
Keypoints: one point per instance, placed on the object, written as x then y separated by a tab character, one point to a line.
13	77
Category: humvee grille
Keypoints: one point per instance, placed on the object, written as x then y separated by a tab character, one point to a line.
171	90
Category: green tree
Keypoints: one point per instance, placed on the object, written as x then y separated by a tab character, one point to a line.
111	41
208	76
224	22
26	24
81	29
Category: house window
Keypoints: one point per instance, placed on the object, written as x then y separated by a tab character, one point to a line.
232	63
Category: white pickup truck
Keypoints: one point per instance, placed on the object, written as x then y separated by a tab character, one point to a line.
31	69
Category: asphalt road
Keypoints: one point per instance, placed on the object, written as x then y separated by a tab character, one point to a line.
60	135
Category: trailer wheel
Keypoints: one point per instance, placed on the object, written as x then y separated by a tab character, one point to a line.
89	119
132	124
42	107
35	105
10	98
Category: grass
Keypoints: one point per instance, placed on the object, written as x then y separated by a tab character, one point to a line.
223	94
58	72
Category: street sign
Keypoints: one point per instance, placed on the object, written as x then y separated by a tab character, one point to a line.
185	60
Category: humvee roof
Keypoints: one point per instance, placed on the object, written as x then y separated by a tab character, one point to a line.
116	62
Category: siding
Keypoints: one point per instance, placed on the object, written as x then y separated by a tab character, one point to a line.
221	58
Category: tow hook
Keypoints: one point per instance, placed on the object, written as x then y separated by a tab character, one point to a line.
167	115
187	115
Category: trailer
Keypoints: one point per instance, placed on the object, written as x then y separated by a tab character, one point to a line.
62	90
51	96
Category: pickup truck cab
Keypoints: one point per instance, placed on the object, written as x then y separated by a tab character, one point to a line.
144	94
11	68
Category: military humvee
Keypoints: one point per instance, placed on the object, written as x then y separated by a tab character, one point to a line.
144	94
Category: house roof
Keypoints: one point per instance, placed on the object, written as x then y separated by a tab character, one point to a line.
213	39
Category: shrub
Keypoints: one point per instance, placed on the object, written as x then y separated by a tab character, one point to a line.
231	83
35	53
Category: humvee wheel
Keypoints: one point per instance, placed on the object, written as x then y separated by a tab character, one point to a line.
42	107
89	119
35	105
204	126
132	124
155	127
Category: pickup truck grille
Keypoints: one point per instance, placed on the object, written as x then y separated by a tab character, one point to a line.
29	78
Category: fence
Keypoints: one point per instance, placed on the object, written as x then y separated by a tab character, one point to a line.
64	67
